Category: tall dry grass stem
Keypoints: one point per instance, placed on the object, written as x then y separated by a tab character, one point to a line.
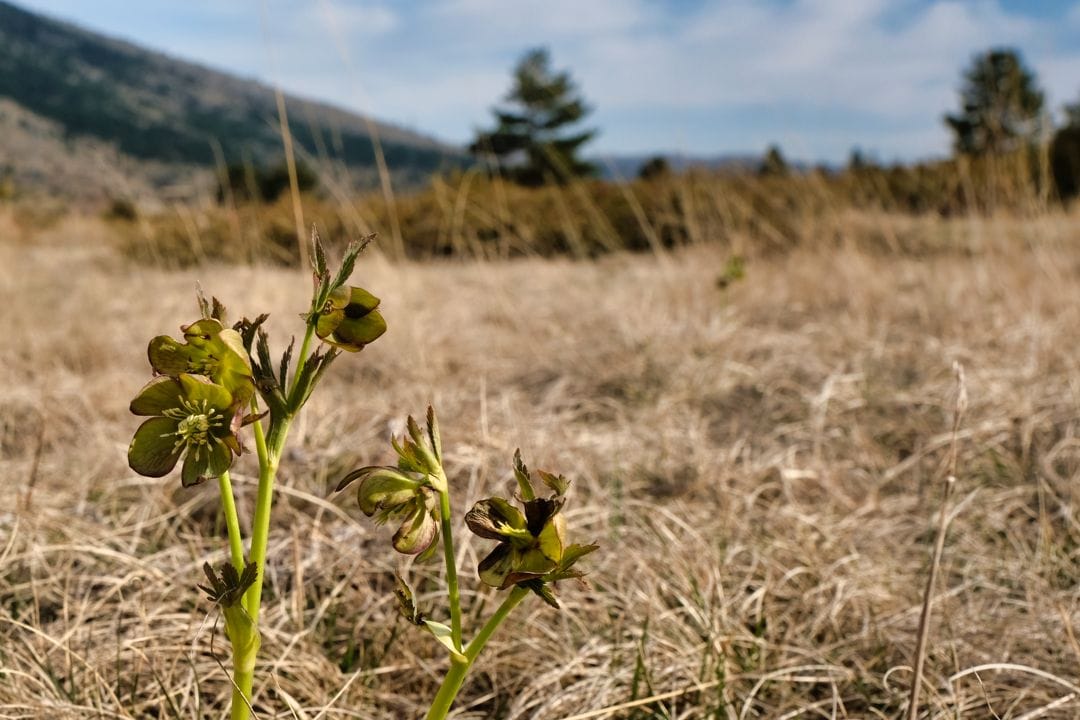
959	408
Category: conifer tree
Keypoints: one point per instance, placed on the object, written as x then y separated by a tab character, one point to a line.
1001	105
533	140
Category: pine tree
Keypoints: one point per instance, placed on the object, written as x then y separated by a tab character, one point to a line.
1001	105
773	163
531	139
1065	154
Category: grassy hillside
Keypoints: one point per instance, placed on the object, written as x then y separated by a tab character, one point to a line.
159	110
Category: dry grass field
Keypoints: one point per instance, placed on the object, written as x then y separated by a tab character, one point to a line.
762	464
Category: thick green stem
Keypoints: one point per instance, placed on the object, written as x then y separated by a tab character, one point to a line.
241	694
243	678
455	676
451	684
232	522
451	568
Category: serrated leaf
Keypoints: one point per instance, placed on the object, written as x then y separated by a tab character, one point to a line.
408	455
217	310
406	602
286	358
433	433
204	306
318	254
573	553
248	329
557	483
348	262
521	474
541	588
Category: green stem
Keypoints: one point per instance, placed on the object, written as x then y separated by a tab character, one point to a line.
451	684
305	348
451	568
455	676
241	694
512	601
260	525
260	438
232	522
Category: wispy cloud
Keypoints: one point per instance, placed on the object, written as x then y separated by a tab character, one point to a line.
819	76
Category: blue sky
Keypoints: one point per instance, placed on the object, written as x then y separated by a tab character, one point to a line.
696	76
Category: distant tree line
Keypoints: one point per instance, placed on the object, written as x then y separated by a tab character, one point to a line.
1002	112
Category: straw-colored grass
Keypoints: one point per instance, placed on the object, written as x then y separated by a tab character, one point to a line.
761	464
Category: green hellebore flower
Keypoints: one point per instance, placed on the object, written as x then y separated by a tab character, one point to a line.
209	349
349	319
532	550
530	544
387	493
190	417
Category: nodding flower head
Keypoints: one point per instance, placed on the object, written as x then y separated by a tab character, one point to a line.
209	349
388	493
189	417
349	320
410	491
532	549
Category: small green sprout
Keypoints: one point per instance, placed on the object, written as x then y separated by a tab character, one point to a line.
190	417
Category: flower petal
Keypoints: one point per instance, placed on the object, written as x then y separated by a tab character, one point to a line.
198	389
202	333
354	333
169	356
532	563
360	302
552	537
196	466
339	298
153	451
385	487
160	394
496	519
539	511
220	460
494	569
234	343
418	531
327	322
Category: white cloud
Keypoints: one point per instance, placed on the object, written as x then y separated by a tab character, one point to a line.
723	73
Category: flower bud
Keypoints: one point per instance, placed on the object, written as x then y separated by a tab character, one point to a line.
349	319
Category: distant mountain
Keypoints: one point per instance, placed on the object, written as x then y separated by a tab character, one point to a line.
86	116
